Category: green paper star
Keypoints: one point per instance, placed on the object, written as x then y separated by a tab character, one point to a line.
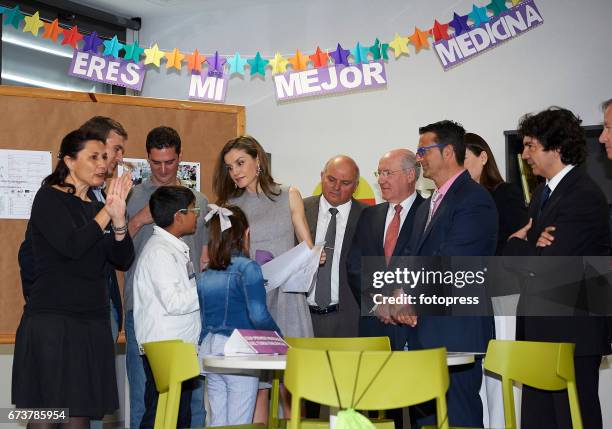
133	52
13	16
258	65
379	50
497	7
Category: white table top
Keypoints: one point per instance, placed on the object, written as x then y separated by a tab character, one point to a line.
279	362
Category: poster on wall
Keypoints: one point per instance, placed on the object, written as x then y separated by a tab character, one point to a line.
21	172
188	172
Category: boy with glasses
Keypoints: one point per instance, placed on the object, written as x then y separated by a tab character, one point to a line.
166	305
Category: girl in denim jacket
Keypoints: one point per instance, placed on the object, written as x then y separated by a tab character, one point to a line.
232	296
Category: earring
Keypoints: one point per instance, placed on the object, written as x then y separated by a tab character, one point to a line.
259	170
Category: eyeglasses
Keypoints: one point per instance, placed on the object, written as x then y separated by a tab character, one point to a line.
387	173
422	150
196	210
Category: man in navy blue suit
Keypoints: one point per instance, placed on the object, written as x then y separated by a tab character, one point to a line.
460	219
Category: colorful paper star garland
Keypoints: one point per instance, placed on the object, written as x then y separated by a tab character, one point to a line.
33	24
195	60
133	52
52	30
399	45
319	58
340	55
299	61
258	65
174	59
112	47
419	39
153	55
278	63
72	37
237	64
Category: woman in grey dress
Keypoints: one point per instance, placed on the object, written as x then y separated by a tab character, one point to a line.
276	216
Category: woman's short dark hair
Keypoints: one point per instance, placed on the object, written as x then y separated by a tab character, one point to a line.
166	201
491	177
72	144
221	245
104	125
224	186
448	133
162	138
556	129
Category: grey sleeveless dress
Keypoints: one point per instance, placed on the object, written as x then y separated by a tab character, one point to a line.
272	230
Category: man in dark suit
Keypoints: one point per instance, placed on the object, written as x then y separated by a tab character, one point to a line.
383	230
568	217
333	217
460	219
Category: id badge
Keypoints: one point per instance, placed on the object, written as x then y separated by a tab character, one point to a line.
190	271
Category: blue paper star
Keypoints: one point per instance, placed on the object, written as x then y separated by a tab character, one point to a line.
459	24
13	16
216	64
340	55
133	52
112	47
92	43
478	15
258	65
360	54
237	64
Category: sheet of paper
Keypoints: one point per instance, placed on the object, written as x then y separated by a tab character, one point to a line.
21	172
293	270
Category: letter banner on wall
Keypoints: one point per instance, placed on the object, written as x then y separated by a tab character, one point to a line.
330	80
488	35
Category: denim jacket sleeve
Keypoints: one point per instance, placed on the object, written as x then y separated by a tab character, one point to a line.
255	297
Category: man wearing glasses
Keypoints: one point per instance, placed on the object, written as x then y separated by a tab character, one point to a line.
383	231
459	219
164	154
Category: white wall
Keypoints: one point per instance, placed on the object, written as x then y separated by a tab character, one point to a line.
566	62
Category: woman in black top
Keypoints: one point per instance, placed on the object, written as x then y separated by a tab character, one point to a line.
511	209
63	348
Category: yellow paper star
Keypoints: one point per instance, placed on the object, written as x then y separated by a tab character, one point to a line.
153	55
515	2
174	59
278	63
33	24
399	45
298	61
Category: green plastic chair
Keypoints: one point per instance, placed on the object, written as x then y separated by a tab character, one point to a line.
173	362
366	380
348	344
547	366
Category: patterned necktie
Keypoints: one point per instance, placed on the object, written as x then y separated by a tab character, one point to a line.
323	290
392	233
433	206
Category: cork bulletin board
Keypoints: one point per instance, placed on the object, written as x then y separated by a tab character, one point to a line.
37	119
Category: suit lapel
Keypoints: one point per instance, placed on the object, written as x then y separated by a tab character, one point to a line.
351	224
407	226
379	227
311	209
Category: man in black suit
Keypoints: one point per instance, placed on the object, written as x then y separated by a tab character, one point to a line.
606	135
383	230
568	217
459	219
333	217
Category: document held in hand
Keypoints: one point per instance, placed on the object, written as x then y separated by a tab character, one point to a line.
251	341
294	270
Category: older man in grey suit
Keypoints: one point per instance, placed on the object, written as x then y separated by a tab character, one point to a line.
332	217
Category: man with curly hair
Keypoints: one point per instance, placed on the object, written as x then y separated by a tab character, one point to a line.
568	218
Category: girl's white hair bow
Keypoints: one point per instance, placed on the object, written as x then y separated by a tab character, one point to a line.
223	213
